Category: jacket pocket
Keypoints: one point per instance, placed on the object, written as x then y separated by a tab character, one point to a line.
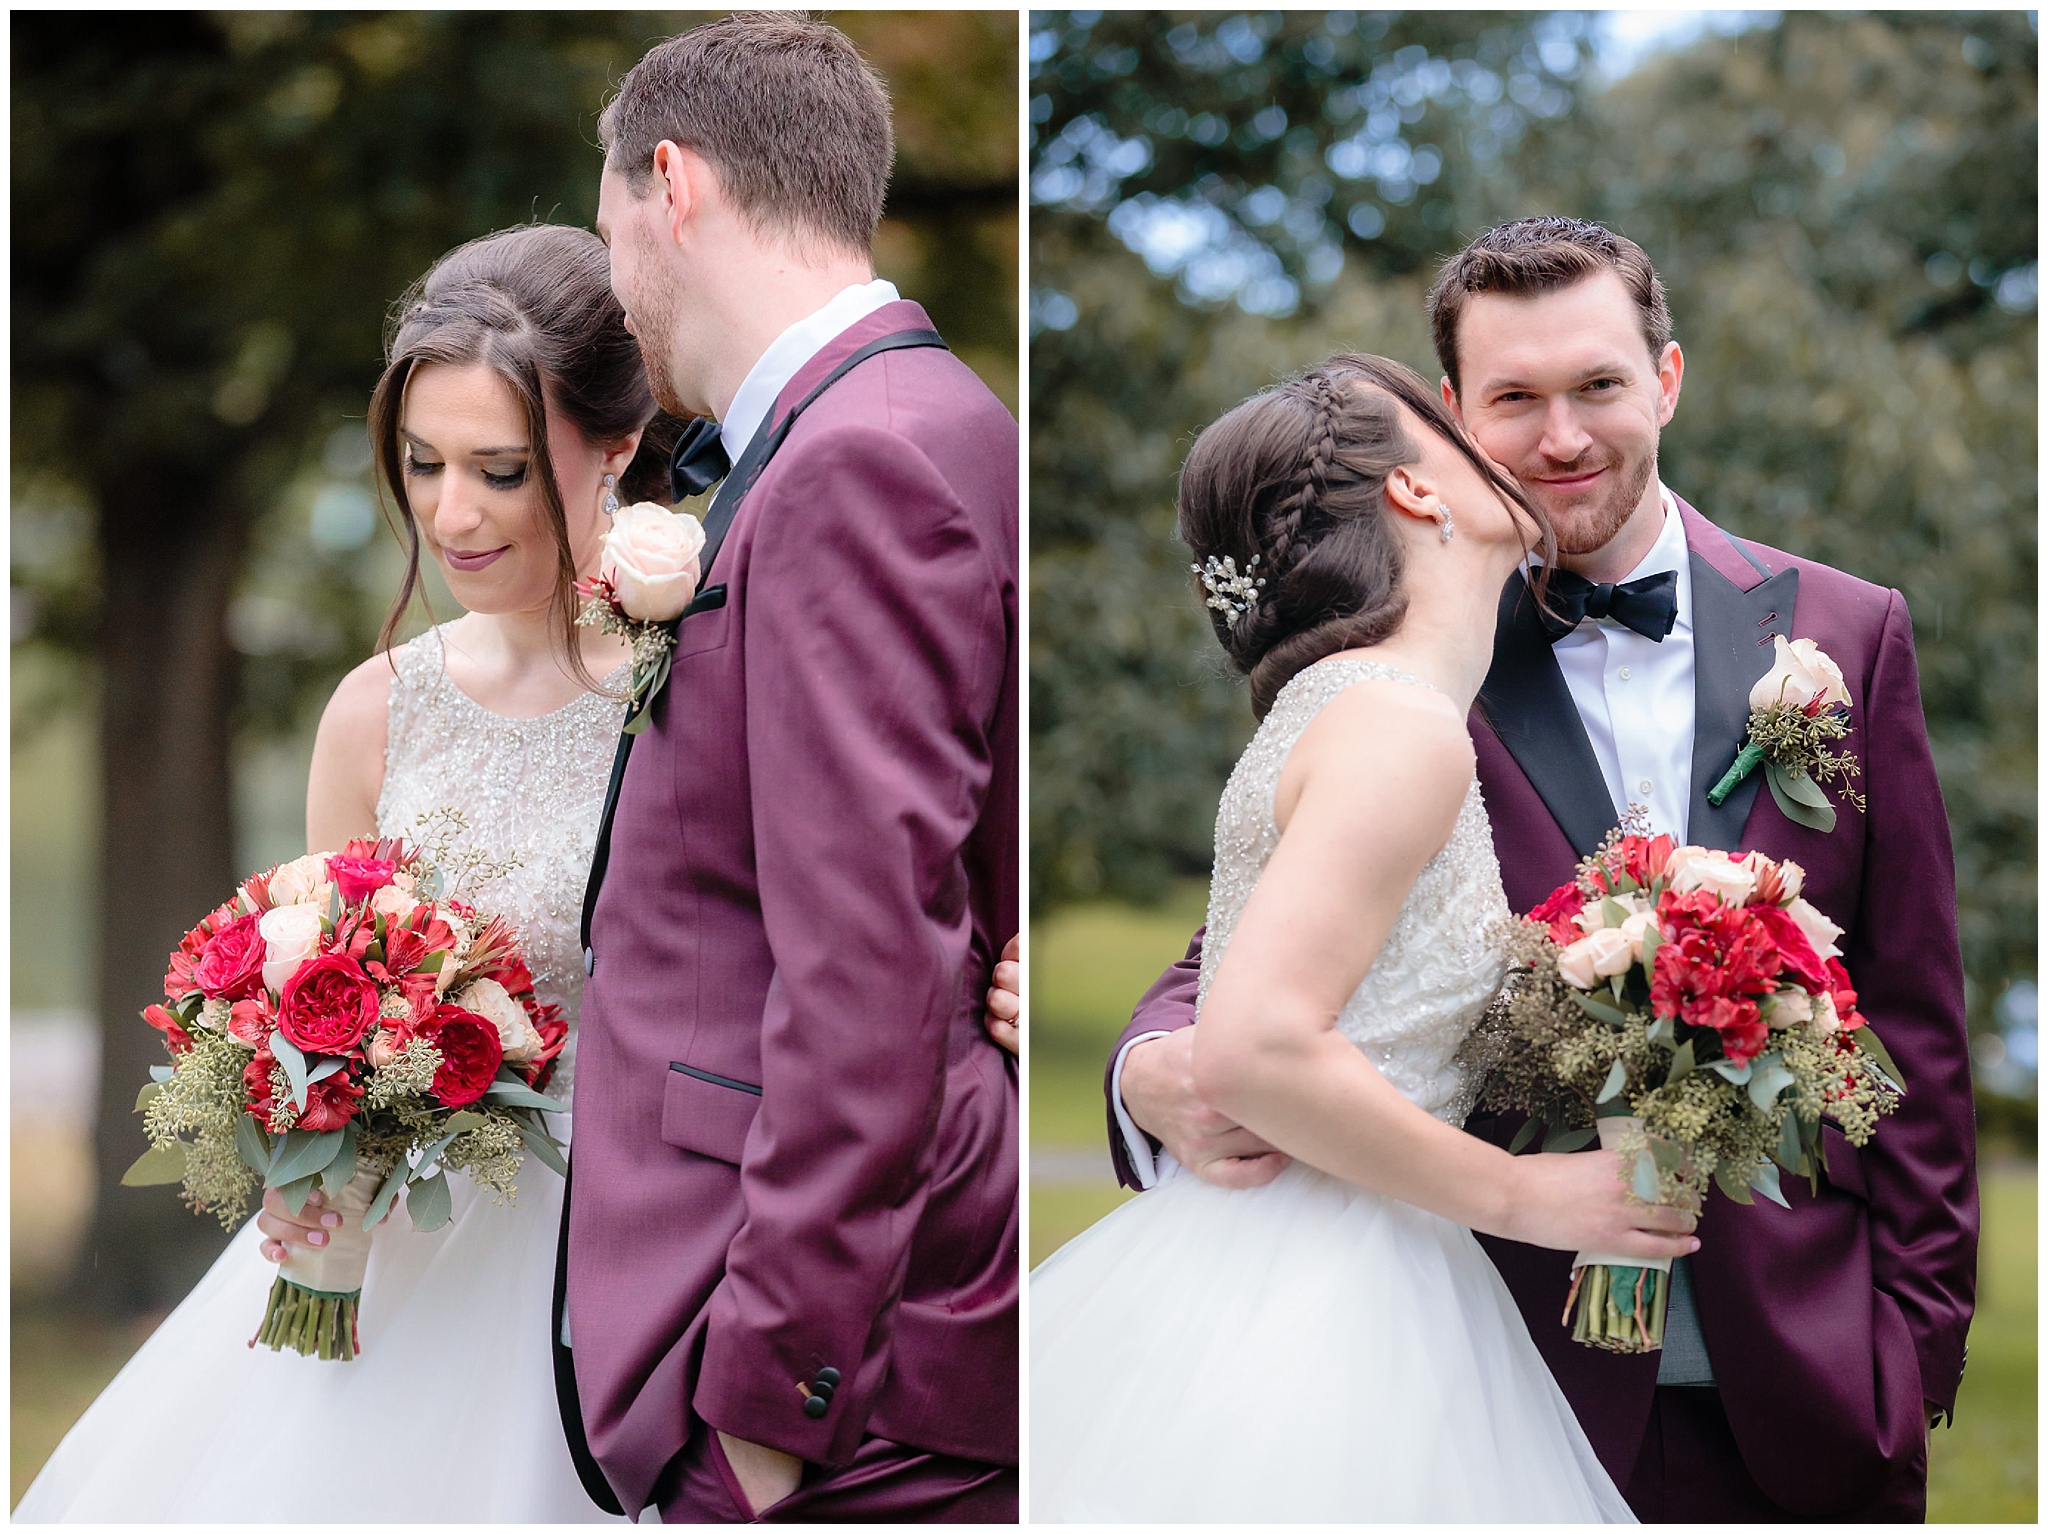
707	1113
706	623
1844	1162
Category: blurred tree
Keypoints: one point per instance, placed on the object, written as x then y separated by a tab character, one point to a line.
213	212
1842	207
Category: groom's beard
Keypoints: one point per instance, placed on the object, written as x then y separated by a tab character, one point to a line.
1591	524
655	328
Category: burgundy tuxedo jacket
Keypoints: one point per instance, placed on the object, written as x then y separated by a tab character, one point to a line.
796	1151
1829	1322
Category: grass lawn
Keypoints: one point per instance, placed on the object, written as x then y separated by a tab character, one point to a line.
1090	965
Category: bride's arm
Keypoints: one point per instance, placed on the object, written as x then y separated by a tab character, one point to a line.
348	759
1368	796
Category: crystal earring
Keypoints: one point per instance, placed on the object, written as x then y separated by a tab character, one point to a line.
611	496
1443	522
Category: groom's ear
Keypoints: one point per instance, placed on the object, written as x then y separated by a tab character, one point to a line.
682	176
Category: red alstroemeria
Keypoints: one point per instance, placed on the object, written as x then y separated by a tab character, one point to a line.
404	950
1645	858
330	1103
1844	996
554	1033
258	1086
252	1021
1740	1025
1558	912
176	1039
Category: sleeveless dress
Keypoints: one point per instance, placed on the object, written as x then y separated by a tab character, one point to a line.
448	1414
1308	1351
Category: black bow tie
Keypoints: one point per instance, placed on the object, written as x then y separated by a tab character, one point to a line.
1649	606
699	460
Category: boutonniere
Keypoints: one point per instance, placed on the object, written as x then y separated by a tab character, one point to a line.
646	575
1797	711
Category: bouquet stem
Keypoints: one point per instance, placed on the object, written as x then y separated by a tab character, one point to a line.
1744	764
1618	1303
312	1308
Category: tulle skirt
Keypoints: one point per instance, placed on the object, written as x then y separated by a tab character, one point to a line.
448	1414
1304	1352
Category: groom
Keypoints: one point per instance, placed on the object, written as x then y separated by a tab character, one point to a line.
791	1244
1809	1350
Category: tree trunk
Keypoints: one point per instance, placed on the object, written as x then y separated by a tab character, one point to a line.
171	548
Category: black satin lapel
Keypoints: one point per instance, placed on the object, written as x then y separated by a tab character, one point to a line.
1731	648
1526	701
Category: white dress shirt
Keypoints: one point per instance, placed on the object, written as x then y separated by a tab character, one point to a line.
787	354
1635	697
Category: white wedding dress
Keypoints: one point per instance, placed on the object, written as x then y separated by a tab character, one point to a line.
1309	1352
448	1414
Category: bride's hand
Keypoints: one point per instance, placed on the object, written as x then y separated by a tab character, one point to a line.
311	1227
1005	1016
1578	1202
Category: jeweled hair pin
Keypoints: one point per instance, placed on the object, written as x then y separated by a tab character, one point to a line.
1229	591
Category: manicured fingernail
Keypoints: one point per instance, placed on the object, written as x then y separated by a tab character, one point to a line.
1695	1244
316	1238
330	1218
316	1198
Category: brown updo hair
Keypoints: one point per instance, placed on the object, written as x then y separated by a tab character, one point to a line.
1296	477
533	304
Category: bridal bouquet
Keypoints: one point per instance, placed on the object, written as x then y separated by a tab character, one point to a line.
1690	1009
340	1022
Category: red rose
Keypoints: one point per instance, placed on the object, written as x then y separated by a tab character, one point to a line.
1794	948
470	1055
330	1104
358	878
328	1006
1556	913
231	964
176	1039
554	1033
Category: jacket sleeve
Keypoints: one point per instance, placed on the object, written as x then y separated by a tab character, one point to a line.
1905	960
1170	1004
876	640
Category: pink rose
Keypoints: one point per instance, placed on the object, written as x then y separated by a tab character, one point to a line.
650	559
360	877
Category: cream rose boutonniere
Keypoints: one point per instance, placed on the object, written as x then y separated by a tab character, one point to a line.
646	576
1797	711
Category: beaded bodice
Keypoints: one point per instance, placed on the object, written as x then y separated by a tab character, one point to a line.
527	789
1444	959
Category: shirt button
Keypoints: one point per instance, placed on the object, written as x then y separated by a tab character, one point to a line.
1624	673
1644	786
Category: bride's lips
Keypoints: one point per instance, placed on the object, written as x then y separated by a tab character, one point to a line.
465	560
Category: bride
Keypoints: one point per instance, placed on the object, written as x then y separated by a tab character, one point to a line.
1335	1346
513	411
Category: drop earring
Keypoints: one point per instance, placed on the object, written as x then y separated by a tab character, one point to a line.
1443	522
611	496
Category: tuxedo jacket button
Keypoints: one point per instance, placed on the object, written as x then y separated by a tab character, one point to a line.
590	961
823	1388
816	1406
828	1376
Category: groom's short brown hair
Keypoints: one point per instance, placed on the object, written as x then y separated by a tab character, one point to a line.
1541	255
783	106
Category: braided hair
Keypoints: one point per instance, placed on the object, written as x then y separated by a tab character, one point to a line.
1295	479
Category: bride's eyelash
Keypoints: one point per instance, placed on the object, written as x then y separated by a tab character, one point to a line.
510	481
420	467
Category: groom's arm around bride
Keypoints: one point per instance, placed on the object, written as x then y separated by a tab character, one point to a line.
793	1220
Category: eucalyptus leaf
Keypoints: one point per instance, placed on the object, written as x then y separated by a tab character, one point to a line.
427	1201
1681	1063
1652	941
1873	1046
432	1153
156	1166
1765	1181
1735	1189
1523	1136
1594	1007
1820	817
295	1192
1617	1078
162	1073
302	1154
1561	1139
381	1204
151	1090
1662	1031
456	1123
294	1065
547	1150
1643	1179
325	1069
516	1094
343	1167
1769	1076
1669	1157
1612	911
1791	1151
254	1145
1800	785
1728	1070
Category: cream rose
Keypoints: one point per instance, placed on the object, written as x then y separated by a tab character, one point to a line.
1818	929
395	901
1825	1018
1593	917
291	936
1792	1006
1800	673
1698	868
650	558
1595	956
1636	929
492	1002
303	881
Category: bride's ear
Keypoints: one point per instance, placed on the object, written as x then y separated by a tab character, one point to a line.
1412	492
619	456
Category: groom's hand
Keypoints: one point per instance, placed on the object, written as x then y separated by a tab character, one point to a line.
1159	1092
766	1476
1006	998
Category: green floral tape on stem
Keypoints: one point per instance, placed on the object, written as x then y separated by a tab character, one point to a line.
1745	763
